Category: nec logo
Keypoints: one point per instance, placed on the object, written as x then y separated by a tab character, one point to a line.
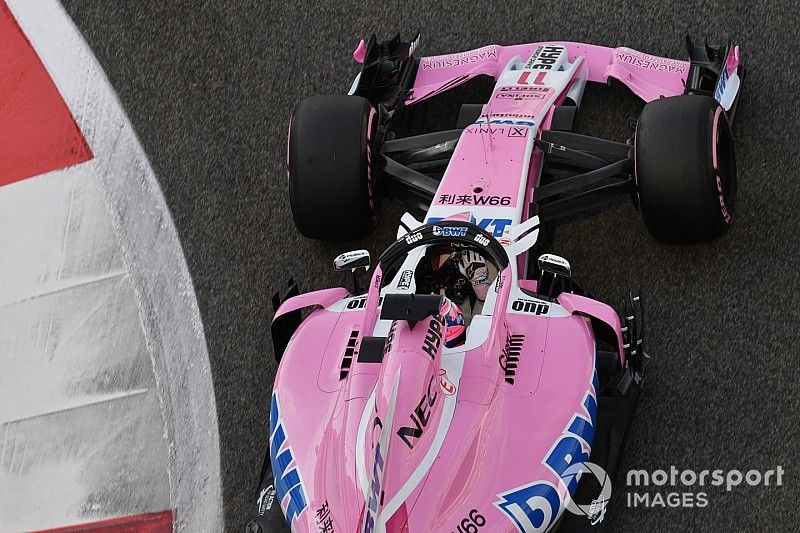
421	416
536	506
288	484
497	225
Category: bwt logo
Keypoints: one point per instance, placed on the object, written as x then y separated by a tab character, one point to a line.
448	231
376	485
536	506
498	225
507	122
287	479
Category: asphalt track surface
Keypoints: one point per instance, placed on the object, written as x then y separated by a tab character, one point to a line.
209	87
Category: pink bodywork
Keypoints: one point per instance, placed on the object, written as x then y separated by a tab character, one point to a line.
648	76
497	434
433	439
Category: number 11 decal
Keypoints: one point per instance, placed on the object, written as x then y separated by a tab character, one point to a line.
523	78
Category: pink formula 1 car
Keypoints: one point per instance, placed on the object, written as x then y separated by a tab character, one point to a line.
474	382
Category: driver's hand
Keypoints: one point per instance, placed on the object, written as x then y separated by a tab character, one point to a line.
473	267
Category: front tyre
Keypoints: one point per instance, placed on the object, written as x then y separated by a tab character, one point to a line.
685	169
332	168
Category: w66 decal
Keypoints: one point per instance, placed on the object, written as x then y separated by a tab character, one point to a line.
471	523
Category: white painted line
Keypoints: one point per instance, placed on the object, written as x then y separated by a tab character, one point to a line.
98	303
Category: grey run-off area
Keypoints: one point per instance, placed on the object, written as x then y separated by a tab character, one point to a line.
209	87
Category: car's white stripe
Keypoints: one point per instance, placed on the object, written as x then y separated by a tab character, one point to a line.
361	465
454	365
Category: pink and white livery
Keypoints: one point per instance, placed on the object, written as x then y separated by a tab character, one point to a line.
474	381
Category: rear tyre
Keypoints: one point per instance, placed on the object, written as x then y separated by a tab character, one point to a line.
331	167
685	169
266	515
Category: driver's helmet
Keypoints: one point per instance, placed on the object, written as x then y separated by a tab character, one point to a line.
455	332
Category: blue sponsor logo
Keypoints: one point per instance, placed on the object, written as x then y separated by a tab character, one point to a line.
723	80
288	484
495	226
375	490
536	506
449	231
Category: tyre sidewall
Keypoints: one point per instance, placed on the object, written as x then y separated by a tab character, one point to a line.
332	169
682	196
